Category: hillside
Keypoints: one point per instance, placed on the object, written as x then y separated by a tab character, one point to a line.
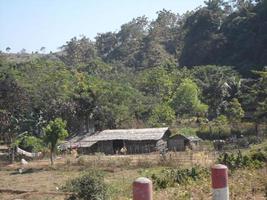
206	66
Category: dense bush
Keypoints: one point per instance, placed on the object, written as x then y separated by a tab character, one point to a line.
213	132
254	140
235	161
260	156
170	177
219	129
30	143
89	186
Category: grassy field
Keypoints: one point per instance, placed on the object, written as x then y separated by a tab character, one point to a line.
43	181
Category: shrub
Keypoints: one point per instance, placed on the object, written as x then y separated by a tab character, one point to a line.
242	143
214	132
259	155
235	161
30	143
254	140
170	177
89	186
204	132
81	160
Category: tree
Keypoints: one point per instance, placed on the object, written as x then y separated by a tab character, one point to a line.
14	105
49	85
239	30
42	49
162	114
186	100
234	111
261	98
54	131
218	84
156	82
78	51
8	49
202	38
160	44
129	41
105	44
23	51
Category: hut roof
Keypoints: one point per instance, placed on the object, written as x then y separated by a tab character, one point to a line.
128	134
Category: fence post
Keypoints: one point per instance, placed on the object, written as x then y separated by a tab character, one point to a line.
219	177
142	189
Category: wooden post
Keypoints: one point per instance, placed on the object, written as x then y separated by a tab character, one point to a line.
142	189
219	176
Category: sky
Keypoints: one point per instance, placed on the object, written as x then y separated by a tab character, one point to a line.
32	24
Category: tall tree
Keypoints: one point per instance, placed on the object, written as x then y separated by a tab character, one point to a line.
235	111
78	51
186	101
218	85
105	44
203	40
160	43
129	42
8	49
245	31
55	131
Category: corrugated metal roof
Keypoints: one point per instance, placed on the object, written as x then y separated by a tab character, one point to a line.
128	134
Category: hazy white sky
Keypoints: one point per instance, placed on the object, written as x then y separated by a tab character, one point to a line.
31	24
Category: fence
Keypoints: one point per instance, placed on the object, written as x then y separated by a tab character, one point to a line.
188	158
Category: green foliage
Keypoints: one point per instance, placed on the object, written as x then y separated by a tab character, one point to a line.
219	128
55	131
162	115
144	72
261	96
156	81
89	186
186	99
30	143
235	112
218	84
235	161
78	51
259	155
187	131
207	132
171	177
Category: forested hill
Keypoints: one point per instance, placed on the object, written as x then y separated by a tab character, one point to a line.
149	73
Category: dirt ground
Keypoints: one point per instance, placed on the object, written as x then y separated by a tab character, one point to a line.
43	182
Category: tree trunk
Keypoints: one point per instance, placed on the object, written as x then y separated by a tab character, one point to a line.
257	128
51	156
11	150
13	155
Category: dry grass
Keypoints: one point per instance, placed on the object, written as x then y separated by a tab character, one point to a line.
119	175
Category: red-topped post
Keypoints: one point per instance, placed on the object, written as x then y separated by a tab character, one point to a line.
142	189
219	177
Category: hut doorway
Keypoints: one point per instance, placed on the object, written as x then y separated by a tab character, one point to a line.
117	145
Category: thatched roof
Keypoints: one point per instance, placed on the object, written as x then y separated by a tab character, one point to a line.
128	134
69	145
88	140
74	141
